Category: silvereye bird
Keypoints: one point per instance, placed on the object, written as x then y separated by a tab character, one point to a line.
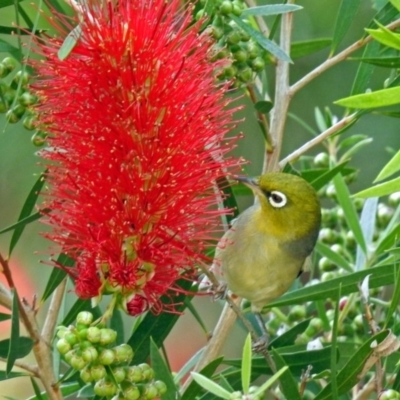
266	248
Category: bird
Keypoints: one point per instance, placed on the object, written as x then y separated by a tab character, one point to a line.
269	244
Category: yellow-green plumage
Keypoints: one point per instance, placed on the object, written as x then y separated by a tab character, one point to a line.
266	248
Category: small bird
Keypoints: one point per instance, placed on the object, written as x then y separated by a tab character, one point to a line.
266	248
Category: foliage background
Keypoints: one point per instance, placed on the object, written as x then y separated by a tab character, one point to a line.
18	163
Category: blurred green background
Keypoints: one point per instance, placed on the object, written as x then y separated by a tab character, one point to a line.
20	165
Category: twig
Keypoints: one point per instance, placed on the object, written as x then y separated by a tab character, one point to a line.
322	136
53	311
33	369
5	297
41	349
259	19
282	96
330	62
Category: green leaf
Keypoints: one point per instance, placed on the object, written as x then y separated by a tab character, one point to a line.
264	42
25	345
69	43
22	222
343	197
36	389
27	210
288	384
288	338
86	392
380	276
14	337
345	18
194	388
79	305
246	365
266	385
320	181
390	168
383	189
348	375
396	4
335	257
263	106
4	376
57	275
385	36
394	302
386	62
273	9
162	372
157	326
4	317
211	386
117	324
307	47
388	240
379	98
67	389
6	47
7	3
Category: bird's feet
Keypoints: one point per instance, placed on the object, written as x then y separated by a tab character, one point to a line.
261	345
220	292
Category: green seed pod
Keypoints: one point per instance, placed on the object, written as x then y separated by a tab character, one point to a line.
3	71
63	346
131	392
82	334
258	64
86	375
226	7
394	199
252	50
3	107
123	353
385	214
9	64
77	362
134	374
61	331
93	334
27	99
161	387
297	313
328	276
38	138
389	394
148	372
321	160
230	72
216	32
20	78
98	372
331	192
85	318
350	240
106	357
119	374
326	265
240	55
236	10
327	235
90	354
15	114
233	37
315	326
244	36
29	122
71	338
150	392
338	249
105	388
245	75
107	336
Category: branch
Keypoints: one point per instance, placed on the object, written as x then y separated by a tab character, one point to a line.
282	96
322	136
259	19
330	62
52	314
33	369
5	297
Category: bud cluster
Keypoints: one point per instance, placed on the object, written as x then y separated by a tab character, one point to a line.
15	98
91	349
245	56
251	395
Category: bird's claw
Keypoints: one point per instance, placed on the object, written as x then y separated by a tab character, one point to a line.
261	345
219	293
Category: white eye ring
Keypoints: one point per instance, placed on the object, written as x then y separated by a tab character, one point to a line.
277	199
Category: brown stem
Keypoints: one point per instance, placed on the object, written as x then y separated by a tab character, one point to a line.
41	349
32	369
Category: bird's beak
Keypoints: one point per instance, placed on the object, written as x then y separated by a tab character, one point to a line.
252	183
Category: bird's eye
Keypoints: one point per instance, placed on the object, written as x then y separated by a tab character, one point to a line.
277	199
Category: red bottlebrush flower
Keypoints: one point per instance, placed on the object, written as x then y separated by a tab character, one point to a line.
137	128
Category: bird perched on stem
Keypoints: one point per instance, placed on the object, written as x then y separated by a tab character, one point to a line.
266	248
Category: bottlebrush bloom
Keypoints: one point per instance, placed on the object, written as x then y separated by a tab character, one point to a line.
137	126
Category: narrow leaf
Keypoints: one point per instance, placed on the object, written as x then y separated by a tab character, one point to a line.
246	365
333	256
349	210
380	276
26	211
36	389
270	382
379	98
14	337
385	36
117	324
394	302
390	168
22	223
7	3
345	18
4	317
305	48
4	376
386	62
263	106
287	338
211	386
383	189
273	9
324	178
288	384
162	372
69	43
25	345
6	47
264	42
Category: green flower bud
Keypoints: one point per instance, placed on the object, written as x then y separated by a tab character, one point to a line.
315	326
9	96
328	276
21	77
147	371
258	64
106	357
15	114
134	374
230	72
77	362
3	71
119	374
3	107
123	353
199	15
252	50
161	387
327	235
29	122
27	99
63	346
68	356
233	37
61	330
216	32
321	160
9	64
71	338
236	10
38	138
107	336
150	392
326	265
86	375
389	394
82	334
90	354
394	199
93	334
226	7
240	55
98	372
331	192
236	395
244	36
131	392
85	318
245	75
385	214
105	388
297	313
